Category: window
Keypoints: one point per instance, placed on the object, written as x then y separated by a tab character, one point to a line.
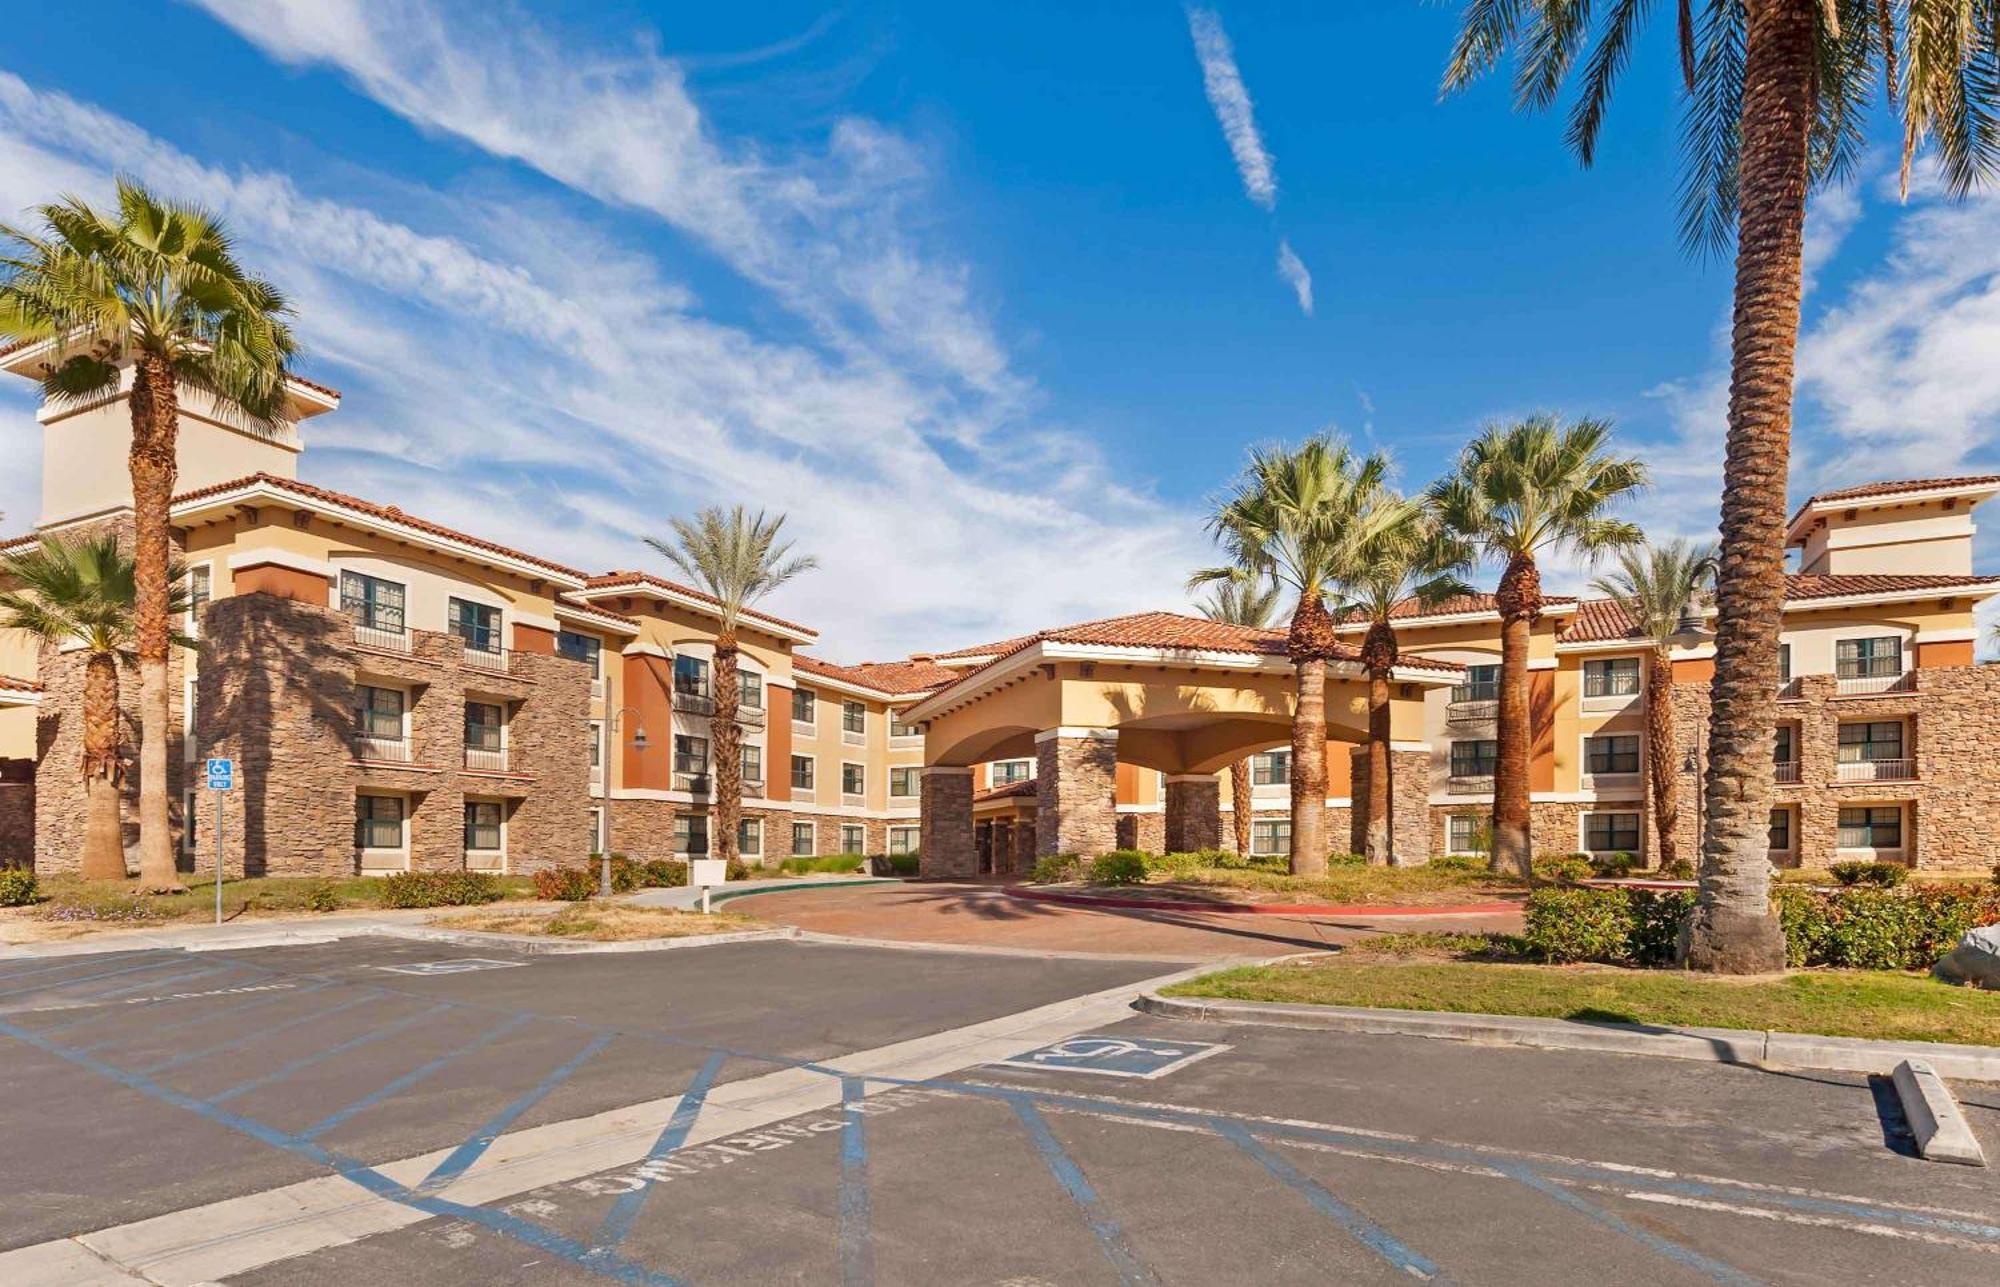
803	843
691	676
378	712
853	717
1004	772
378	822
690	754
1474	759
1784	662
802	772
853	839
1482	684
1271	836
804	706
903	782
1872	828
752	694
853	779
475	623
897	728
200	586
1867	743
1611	833
190	814
482	826
1784	745
596	744
482	727
691	833
904	840
597	837
1612	754
1781	830
1868	658
1611	677
750	837
753	763
1466	834
1272	768
372	602
584	648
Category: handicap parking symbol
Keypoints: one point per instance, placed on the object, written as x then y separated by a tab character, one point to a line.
462	965
1142	1057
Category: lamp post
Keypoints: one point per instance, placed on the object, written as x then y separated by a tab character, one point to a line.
604	789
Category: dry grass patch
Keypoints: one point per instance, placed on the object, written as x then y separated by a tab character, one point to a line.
599	923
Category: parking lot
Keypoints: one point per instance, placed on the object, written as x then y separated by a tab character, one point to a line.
382	1110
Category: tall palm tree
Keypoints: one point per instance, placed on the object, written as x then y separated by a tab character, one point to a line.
1295	516
1521	491
1411	555
1777	102
1658	585
1247	599
153	286
82	592
736	557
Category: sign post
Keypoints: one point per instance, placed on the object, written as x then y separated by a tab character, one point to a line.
221	779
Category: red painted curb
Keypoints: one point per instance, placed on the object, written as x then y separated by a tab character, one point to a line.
1251	909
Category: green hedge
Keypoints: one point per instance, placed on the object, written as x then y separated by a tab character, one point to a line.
1885	875
438	889
835	863
1120	867
17	887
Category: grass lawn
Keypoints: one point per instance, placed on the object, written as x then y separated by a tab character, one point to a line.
1841	1003
69	906
600	923
1381	886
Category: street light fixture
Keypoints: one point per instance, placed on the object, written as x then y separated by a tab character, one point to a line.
604	790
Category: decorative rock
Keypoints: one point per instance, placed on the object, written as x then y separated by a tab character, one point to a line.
1975	960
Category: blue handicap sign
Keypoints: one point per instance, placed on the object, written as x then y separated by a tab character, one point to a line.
222	775
1110	1056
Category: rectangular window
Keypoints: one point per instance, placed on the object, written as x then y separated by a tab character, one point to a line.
897	728
853	839
372	602
475	623
904	840
1784	745
1482	684
482	826
1872	828
1784	662
853	779
1611	677
1868	658
804	706
1271	836
1272	768
1006	772
691	834
1605	833
1465	834
378	822
903	783
750	837
853	717
802	772
482	726
584	648
378	712
596	830
753	763
1474	759
803	843
200	588
596	745
1866	743
1781	830
691	676
690	754
751	695
1612	754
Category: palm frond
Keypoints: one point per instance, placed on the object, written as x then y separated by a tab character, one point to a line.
733	555
1538	485
1657	585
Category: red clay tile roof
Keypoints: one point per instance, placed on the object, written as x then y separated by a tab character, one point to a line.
1025	786
615	580
1597	621
1603	620
898	677
1895	487
565	601
11	684
389	512
994	649
1457	605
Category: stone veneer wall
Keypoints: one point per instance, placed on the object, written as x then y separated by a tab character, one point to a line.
644	829
1554	827
1076	808
945	801
1147	831
17	824
1409	806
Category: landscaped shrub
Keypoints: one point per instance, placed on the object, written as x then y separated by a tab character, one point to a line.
1884	874
1459	862
1120	867
1579	924
438	889
1057	868
1179	866
565	884
321	896
17	887
1339	859
1657	917
663	873
1567	869
1612	866
831	863
1678	869
905	866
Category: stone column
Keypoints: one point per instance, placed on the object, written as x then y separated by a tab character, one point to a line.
944	802
1024	846
1076	798
1357	799
1194	813
1409	804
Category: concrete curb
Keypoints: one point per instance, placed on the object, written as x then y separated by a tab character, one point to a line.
1371	912
1941	1130
1711	1045
537	945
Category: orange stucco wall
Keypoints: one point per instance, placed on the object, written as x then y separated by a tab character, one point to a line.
285	583
1128	784
1945	654
649	686
777	741
1695	670
534	639
1542	725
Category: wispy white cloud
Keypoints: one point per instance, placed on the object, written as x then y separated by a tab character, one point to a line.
1293	270
1233	109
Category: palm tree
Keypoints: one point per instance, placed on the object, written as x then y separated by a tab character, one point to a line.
81	592
1411	555
1778	93
153	286
1658	586
1295	516
1246	599
1520	491
737	558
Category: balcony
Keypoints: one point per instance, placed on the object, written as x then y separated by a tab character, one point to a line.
1470	785
486	759
1470	712
1613	688
1875	771
1785	772
479	657
691	702
1487	690
753	787
393	750
750	716
1791	690
692	783
1904	681
386	640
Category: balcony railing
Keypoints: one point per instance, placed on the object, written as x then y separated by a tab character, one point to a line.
753	786
395	750
386	640
1867	685
1785	772
693	783
693	703
1470	785
1482	690
1621	684
486	761
1790	690
489	659
1471	712
1875	770
750	716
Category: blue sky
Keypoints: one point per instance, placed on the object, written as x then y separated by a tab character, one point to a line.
988	298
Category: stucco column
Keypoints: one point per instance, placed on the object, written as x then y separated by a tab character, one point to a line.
1409	804
944	802
1194	813
1076	791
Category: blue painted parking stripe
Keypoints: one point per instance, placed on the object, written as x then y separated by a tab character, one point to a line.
855	1238
623	1212
315	1016
412	1077
1365	1231
469	1152
1110	1236
1686	1256
304	1062
176	959
227	1012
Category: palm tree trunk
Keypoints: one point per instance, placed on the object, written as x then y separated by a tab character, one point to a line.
728	741
1242	805
103	832
155	425
1378	654
1733	930
1661	753
1310	642
1519	598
